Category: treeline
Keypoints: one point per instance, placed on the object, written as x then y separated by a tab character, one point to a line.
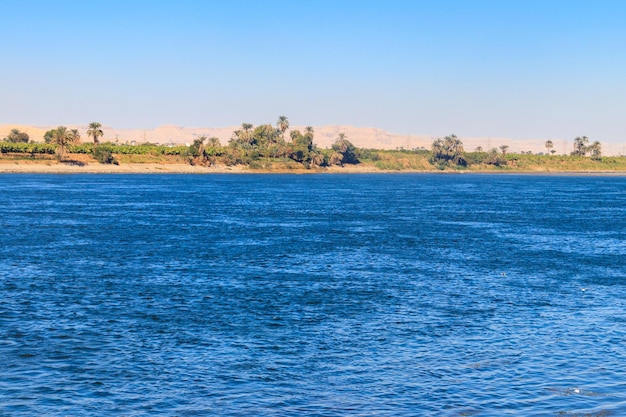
254	145
448	152
247	145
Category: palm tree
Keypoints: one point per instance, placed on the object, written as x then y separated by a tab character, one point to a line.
247	127
213	142
596	150
316	159
309	131
75	136
580	146
336	158
504	149
448	150
549	145
95	131
346	149
63	139
246	133
341	144
282	124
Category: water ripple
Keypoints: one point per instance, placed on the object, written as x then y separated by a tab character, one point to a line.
312	295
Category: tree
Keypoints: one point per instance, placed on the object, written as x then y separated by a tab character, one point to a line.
448	150
95	132
246	133
15	136
317	159
104	155
282	124
247	129
495	158
504	149
63	139
346	149
549	145
479	149
580	146
336	158
267	137
243	137
47	137
213	142
75	136
596	150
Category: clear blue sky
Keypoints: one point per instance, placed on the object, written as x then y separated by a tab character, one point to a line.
506	68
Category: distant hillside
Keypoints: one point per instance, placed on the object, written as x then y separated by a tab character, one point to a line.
365	137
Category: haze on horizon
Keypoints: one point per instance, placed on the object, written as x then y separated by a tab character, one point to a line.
515	69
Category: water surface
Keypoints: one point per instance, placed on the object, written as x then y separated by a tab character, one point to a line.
277	295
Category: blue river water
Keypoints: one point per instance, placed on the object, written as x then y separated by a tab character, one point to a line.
312	295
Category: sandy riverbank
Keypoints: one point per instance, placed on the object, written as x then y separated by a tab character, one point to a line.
54	167
95	168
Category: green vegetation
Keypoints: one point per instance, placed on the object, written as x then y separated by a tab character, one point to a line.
15	136
104	155
581	148
27	148
95	131
448	152
266	147
63	138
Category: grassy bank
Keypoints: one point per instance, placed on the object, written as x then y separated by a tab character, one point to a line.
370	161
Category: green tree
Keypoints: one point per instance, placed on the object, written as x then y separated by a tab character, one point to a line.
95	131
268	139
242	138
549	145
213	142
47	137
316	159
282	124
336	158
104	155
15	136
504	149
346	149
197	148
595	150
448	151
75	136
495	158
63	138
247	127
580	146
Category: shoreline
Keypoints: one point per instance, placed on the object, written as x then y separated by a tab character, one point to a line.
181	168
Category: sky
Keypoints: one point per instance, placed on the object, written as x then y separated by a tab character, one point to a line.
520	69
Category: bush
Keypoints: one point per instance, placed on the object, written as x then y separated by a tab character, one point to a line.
31	148
104	156
15	136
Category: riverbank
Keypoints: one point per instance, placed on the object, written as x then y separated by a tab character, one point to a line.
50	167
386	162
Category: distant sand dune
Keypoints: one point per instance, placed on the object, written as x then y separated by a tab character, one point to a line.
366	137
